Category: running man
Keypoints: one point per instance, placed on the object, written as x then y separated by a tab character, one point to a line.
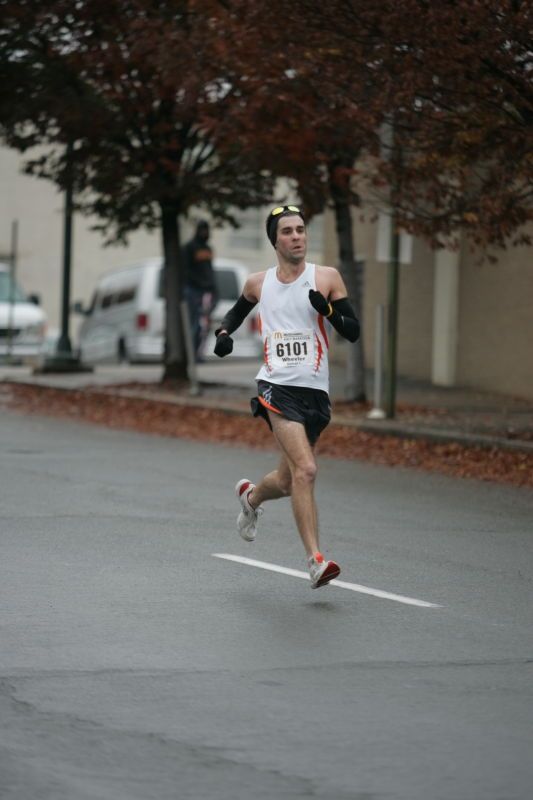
298	302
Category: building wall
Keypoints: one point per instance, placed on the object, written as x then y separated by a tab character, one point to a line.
415	312
495	349
495	302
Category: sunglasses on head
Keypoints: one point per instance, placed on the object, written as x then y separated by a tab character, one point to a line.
280	209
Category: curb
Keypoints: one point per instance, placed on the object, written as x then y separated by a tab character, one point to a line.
446	436
378	428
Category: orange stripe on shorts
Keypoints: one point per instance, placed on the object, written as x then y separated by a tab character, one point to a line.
267	405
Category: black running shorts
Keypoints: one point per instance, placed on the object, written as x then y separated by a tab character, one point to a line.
310	407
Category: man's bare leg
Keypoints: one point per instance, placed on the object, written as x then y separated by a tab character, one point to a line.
273	486
300	459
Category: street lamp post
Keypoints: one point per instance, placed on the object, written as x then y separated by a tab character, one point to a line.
64	360
64	347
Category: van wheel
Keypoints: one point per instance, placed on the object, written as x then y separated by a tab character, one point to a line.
122	353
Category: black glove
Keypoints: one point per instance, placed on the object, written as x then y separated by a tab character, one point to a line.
319	303
224	345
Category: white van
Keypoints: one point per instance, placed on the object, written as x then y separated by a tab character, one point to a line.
125	320
22	322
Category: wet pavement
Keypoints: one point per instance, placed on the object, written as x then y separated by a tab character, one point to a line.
146	656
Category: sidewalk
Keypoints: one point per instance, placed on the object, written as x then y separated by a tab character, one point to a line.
423	411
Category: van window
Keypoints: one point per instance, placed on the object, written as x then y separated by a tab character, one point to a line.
126	295
107	300
10	291
227	285
226	280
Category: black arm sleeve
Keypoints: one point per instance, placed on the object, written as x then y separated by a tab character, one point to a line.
344	320
236	315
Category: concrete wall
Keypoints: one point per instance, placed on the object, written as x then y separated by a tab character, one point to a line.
495	348
415	301
492	348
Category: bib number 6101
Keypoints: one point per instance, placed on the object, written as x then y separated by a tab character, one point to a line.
291	349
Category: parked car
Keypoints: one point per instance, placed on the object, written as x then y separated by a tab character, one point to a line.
125	319
22	322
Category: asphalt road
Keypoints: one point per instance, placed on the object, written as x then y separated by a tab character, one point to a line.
136	665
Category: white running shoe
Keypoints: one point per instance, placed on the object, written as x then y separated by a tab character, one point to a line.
247	519
321	571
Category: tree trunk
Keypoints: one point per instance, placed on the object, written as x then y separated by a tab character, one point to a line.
175	362
352	272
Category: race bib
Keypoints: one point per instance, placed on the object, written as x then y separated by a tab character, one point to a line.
292	348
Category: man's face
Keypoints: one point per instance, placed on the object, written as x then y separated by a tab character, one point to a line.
291	241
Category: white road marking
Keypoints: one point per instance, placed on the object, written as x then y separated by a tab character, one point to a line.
354	587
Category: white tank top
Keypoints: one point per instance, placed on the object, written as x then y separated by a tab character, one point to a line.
295	336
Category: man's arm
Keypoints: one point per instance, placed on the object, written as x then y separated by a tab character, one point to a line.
336	308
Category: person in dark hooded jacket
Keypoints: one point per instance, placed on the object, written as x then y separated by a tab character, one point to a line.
200	285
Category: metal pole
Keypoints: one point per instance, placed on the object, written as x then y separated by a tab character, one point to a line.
12	284
64	346
377	412
392	331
